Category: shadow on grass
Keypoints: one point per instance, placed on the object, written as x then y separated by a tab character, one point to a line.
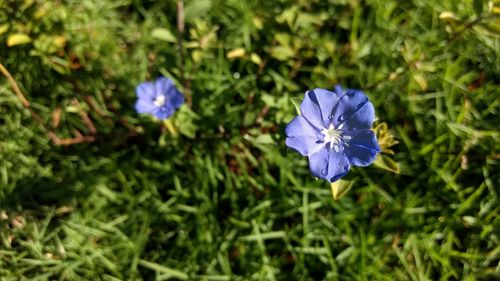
75	176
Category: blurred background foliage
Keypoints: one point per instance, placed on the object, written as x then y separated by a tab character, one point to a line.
223	199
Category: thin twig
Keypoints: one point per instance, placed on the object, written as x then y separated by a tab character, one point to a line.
85	117
180	34
180	29
14	86
56	117
25	102
52	136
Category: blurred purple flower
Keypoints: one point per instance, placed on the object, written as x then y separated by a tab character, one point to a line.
334	132
159	98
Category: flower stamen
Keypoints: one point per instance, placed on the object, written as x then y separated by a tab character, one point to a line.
331	137
159	101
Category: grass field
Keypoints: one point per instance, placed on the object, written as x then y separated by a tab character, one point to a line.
91	190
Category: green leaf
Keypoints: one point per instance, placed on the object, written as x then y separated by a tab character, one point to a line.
163	269
255	59
18	39
163	34
296	103
421	81
4	28
185	120
340	188
478	6
269	100
282	53
386	163
287	16
264	139
197	9
490	28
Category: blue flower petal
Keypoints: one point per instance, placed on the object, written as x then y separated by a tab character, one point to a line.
302	136
338	90
164	86
364	137
351	113
176	99
360	156
304	145
146	91
348	106
317	107
328	164
361	119
164	112
362	147
300	127
145	106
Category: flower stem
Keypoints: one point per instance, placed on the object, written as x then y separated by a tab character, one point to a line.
170	126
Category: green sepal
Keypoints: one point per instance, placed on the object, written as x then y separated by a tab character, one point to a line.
340	188
386	163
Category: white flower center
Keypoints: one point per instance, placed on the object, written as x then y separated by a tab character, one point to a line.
333	137
159	101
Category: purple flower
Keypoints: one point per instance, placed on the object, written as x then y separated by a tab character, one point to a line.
159	98
334	132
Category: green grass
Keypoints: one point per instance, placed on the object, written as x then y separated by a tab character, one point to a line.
223	199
